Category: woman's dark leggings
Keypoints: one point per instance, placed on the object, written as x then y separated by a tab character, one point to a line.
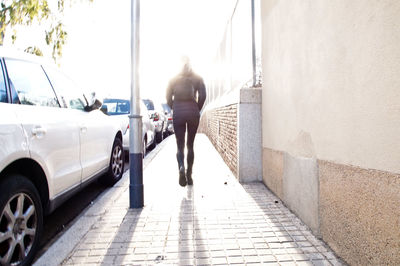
183	121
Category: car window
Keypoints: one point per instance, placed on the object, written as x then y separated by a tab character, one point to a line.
31	83
149	104
70	94
166	108
14	94
111	107
117	106
3	92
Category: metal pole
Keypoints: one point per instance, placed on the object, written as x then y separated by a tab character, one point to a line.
253	44
136	195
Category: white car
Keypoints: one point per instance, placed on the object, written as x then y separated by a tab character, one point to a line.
120	109
52	143
158	117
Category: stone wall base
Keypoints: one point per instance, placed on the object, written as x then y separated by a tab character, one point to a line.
355	211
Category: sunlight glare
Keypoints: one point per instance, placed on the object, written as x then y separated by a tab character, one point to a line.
97	52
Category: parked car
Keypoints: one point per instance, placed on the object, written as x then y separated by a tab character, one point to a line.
168	114
53	142
120	109
158	118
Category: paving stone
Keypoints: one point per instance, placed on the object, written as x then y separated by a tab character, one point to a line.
284	258
218	254
304	263
252	259
321	263
234	252
249	252
208	223
219	261
203	261
287	263
235	260
300	257
315	256
268	258
309	250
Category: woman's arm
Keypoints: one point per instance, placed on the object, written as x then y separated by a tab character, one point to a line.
169	95
201	90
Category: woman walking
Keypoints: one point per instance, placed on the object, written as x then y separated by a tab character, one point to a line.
186	94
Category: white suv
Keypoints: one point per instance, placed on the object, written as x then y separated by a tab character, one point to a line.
120	109
52	143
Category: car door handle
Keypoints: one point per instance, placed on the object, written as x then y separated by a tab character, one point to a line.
38	131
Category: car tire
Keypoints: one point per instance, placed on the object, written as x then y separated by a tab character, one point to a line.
154	144
159	136
144	147
116	167
166	134
21	218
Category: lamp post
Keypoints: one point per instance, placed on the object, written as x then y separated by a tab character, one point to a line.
253	42
136	195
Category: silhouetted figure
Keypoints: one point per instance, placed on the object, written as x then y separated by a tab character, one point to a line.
186	94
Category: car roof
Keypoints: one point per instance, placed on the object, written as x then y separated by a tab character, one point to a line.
8	52
116	99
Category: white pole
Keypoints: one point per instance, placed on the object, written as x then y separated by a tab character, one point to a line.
253	42
136	195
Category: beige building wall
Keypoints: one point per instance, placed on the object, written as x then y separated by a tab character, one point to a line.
331	120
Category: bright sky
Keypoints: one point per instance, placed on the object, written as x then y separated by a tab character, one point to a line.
97	54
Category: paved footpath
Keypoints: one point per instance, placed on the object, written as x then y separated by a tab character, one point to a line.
217	221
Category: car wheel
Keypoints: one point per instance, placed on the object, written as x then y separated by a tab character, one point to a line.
144	147
166	134
21	220
116	168
159	136
154	144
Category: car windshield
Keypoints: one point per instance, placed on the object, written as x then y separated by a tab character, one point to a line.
149	104
117	106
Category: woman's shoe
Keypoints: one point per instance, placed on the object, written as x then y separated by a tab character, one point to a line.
182	177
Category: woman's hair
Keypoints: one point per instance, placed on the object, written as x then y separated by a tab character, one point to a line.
186	65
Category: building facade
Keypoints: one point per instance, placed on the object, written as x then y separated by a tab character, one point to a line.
327	119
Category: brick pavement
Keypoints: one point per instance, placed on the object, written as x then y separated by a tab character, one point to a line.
216	222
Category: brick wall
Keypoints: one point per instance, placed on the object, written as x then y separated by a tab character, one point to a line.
220	125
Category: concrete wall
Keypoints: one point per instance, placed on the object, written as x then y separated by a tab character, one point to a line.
233	125
249	136
331	120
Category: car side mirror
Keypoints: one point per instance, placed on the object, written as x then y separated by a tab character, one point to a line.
95	105
104	109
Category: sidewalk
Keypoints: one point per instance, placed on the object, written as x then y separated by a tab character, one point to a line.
216	222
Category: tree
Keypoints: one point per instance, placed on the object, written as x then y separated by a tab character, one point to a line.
27	12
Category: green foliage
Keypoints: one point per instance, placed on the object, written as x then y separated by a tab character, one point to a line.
26	12
34	50
56	37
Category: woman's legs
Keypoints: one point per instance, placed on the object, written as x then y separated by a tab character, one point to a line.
180	131
192	126
189	120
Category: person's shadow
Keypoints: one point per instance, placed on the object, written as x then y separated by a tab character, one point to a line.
191	239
